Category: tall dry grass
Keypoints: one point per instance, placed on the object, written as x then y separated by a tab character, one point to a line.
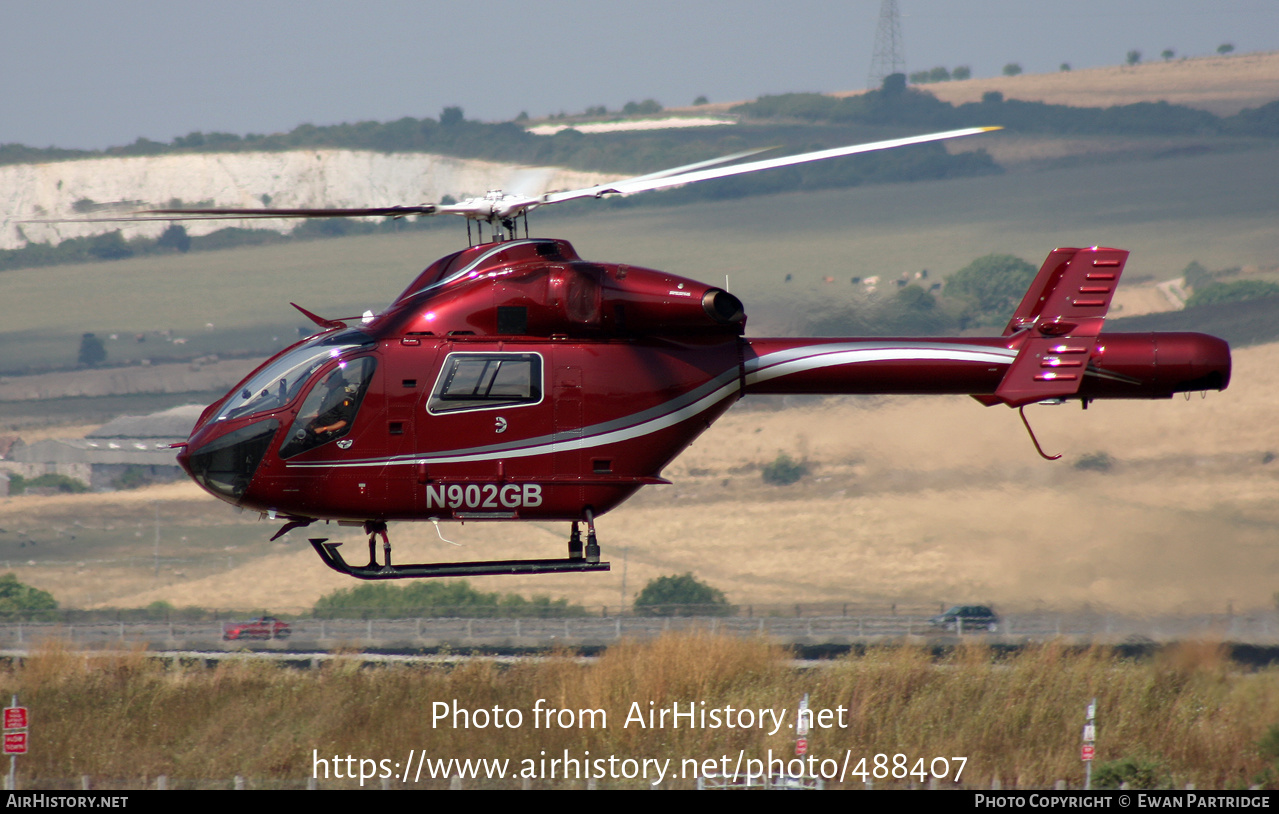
126	718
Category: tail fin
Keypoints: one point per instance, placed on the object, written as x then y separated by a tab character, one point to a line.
1057	324
1071	294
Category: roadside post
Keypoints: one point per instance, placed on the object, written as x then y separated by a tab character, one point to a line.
15	739
801	728
1089	750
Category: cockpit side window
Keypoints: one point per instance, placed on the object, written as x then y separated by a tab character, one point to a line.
329	410
485	381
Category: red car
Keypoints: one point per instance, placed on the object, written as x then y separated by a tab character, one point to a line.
264	627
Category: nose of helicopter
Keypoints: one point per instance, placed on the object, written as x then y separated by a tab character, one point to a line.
225	465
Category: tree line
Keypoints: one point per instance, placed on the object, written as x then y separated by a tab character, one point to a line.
897	104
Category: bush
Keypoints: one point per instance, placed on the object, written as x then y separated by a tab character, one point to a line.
133	477
646	107
1268	745
439	599
1238	291
992	286
22	602
92	351
1095	462
451	117
1137	772
1268	748
57	483
784	471
175	236
938	74
1196	276
110	246
159	611
683	595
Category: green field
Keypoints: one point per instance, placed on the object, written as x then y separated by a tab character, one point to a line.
1216	207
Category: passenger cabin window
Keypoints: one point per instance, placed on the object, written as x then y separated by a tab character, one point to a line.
485	381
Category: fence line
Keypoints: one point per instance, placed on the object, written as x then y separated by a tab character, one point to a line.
1258	629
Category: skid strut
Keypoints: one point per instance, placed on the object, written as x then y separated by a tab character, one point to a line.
592	545
575	543
332	557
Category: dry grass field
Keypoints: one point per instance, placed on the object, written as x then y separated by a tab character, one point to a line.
123	720
1222	85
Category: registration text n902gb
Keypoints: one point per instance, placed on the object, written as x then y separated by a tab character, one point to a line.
483	495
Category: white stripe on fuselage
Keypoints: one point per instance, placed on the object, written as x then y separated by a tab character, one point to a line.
764	368
775	365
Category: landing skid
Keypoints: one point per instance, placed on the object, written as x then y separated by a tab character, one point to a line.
333	559
578	559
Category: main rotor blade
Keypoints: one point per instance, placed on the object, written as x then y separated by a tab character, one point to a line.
251	214
225	213
710	162
658	181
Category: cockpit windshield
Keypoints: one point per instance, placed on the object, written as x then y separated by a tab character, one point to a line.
275	385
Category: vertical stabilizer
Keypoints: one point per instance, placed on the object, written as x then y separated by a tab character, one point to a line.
1056	326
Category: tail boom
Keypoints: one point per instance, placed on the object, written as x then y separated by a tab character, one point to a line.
1111	366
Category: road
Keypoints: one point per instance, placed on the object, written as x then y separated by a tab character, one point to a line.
415	635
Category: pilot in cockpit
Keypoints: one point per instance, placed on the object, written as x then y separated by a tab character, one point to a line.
338	407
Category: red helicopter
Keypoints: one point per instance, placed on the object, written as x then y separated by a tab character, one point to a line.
514	380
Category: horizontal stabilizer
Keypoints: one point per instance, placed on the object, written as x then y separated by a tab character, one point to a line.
1045	368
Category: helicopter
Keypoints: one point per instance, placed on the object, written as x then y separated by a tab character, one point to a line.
514	380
